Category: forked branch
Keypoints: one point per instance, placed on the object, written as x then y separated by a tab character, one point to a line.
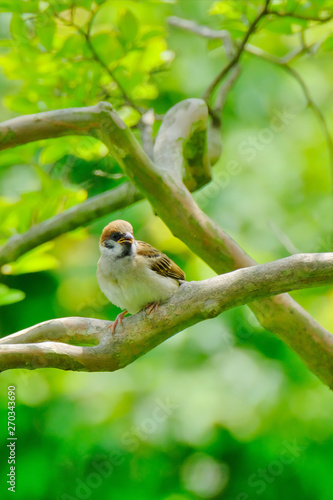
181	145
43	345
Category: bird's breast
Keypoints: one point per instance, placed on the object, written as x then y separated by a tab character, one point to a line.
132	285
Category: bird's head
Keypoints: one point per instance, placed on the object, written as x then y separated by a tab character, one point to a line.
117	239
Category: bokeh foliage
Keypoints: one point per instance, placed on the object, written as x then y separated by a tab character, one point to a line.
240	398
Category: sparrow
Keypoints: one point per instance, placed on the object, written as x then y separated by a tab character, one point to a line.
132	274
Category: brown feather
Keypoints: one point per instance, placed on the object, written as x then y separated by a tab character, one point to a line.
159	262
116	226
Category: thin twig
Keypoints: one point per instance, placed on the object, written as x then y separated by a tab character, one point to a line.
225	89
223	35
205	32
282	62
77	216
72	12
316	110
256	51
99	60
252	49
210	89
301	17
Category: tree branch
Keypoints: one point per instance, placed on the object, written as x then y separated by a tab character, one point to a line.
210	89
283	62
89	121
145	126
176	207
205	32
225	89
50	124
99	60
171	200
70	219
316	110
192	303
225	36
318	19
76	331
252	49
185	159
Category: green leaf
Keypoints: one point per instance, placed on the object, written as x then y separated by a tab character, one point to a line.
152	58
230	10
19	6
54	151
46	33
20	104
129	115
282	26
6	43
10	295
34	261
107	46
10	5
59	5
73	46
310	9
214	44
84	4
18	29
328	44
152	33
236	28
128	26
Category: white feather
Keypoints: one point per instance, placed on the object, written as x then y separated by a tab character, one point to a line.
128	282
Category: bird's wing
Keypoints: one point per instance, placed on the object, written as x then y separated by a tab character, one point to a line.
159	262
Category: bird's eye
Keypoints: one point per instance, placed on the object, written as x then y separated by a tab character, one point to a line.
115	236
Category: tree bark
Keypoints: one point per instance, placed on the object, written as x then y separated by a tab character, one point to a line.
180	156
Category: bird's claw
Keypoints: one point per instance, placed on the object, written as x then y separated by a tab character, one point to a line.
149	308
152	306
119	319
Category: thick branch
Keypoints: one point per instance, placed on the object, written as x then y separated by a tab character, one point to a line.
176	207
91	121
70	219
102	122
185	132
281	61
193	302
69	330
50	124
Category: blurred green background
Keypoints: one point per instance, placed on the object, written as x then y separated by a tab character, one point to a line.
224	409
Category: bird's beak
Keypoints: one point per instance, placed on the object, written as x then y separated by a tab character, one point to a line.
127	238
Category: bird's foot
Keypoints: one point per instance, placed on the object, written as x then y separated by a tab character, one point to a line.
152	306
119	319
